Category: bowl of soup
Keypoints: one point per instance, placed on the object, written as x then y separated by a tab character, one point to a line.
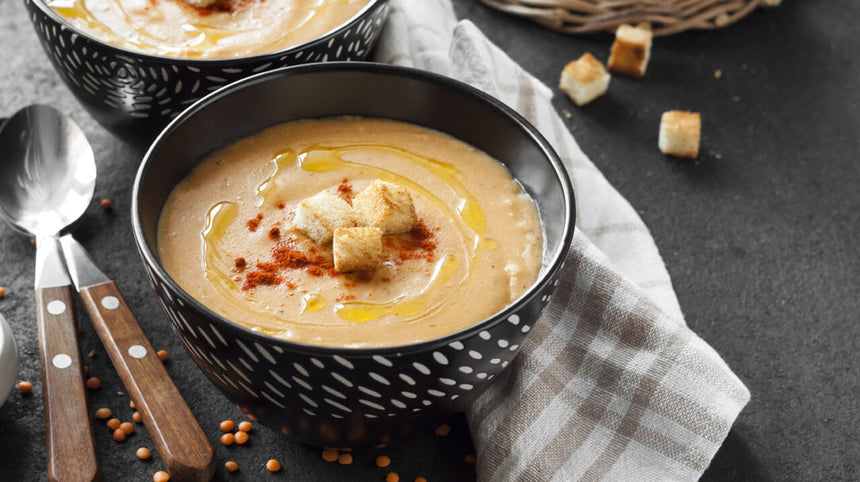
136	64
226	206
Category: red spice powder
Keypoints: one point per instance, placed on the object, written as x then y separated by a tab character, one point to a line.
253	224
281	205
241	263
419	244
275	233
345	191
260	278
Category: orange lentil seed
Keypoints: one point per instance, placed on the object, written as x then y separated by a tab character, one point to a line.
442	430
161	476
392	477
113	424
227	426
245	426
470	458
228	439
136	417
25	387
103	413
131	404
2	291
106	203
383	461
127	427
330	455
119	435
241	437
420	479
273	465
143	453
231	466
94	383
344	459
162	355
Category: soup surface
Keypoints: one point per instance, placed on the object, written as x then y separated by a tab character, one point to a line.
230	28
227	234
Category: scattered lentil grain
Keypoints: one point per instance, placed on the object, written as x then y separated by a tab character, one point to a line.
119	435
143	453
161	476
330	455
383	461
442	430
103	413
227	426
241	437
245	426
2	291
25	387
127	427
162	355
136	417
228	439
94	383
114	424
420	479
392	477
106	203
344	459
231	466
470	458
273	465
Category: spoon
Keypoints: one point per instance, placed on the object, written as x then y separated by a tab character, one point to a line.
47	178
183	447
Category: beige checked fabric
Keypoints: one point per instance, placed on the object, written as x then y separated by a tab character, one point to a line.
611	384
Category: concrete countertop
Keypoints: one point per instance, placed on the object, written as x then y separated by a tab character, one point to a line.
760	235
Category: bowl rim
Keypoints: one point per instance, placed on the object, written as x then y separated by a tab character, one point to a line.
556	261
217	61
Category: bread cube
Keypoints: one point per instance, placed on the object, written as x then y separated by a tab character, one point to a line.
357	249
584	79
385	206
630	51
320	215
679	133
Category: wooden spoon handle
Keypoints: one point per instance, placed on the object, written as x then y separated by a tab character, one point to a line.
181	443
69	429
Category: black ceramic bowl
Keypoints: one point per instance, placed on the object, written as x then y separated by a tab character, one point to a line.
134	95
345	396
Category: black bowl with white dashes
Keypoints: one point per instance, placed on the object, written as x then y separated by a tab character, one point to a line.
348	397
134	95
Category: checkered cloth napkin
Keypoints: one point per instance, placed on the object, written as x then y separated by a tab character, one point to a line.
611	384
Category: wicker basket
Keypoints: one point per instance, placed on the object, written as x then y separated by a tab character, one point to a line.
665	16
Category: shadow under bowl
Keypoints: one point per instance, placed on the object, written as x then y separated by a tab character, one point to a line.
135	95
348	397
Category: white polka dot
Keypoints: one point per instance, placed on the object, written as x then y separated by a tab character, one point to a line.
484	334
481	376
370	392
333	392
495	361
379	378
370	415
406	378
448	381
466	370
475	355
436	393
421	368
110	302
409	395
513	347
338	405
455	396
343	361
303	383
312	414
514	319
370	404
341	379
62	360
398	403
503	343
466	386
382	361
318	363
336	415
456	345
544	298
526	328
440	358
308	400
426	403
56	307
300	369
504	364
137	351
416	409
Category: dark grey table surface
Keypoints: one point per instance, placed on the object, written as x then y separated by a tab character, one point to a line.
760	235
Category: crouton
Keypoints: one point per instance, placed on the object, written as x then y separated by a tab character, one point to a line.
385	206
202	3
630	51
357	249
584	79
679	133
319	216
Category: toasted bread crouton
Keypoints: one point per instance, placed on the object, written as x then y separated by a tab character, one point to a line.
385	206
679	133
357	249
584	79
320	215
201	3
630	51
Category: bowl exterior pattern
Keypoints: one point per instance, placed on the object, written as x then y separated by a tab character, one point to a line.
135	95
326	399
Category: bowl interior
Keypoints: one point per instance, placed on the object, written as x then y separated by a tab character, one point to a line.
365	89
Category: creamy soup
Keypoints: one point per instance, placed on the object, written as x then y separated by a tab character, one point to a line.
227	234
230	28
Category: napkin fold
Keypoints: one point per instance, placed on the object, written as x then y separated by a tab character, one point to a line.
611	384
